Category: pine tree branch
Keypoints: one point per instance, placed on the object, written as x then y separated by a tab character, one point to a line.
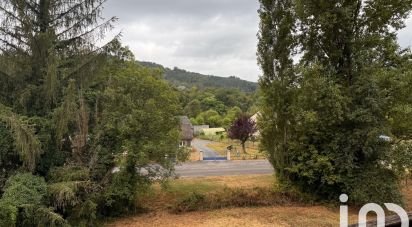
4	74
79	37
26	142
10	14
13	35
9	44
74	8
31	7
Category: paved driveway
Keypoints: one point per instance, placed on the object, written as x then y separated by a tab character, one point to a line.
201	145
223	168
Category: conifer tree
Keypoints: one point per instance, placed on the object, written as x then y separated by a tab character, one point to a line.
47	57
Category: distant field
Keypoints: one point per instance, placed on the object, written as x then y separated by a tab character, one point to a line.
252	149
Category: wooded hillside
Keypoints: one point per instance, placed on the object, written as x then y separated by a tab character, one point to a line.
181	77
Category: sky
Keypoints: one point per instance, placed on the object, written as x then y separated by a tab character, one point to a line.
214	37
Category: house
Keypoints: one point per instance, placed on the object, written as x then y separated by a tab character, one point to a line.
198	128
213	131
255	118
186	132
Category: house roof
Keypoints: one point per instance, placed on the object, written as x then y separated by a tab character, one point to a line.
186	128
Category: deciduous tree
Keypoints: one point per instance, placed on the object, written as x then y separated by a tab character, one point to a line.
242	129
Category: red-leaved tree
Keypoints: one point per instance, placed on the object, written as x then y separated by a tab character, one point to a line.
242	129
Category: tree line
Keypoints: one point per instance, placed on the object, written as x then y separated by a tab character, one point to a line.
181	77
217	107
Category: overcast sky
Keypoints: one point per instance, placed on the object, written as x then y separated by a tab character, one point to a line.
216	37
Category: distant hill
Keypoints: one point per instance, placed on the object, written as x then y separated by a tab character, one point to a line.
181	77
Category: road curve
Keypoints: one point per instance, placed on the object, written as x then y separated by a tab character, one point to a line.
201	145
223	168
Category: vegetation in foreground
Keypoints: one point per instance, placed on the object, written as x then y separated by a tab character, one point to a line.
286	214
76	120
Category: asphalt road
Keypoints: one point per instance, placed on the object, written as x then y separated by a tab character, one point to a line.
201	145
223	168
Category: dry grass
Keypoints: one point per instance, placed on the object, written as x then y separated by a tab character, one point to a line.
252	149
249	181
407	193
248	217
292	215
161	198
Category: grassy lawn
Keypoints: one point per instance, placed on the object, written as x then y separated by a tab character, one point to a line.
252	149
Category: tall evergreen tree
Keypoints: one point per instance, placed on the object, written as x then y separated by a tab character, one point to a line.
47	57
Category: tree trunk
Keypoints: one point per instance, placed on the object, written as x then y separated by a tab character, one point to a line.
244	147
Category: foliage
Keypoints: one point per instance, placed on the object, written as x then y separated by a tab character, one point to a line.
23	189
40	216
9	159
371	185
278	81
215	107
68	173
322	119
76	112
400	159
242	129
24	139
139	118
21	203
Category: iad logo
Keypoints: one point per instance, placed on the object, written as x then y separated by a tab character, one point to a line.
372	207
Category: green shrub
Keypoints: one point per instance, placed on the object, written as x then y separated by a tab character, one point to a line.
31	215
84	214
69	173
24	188
20	190
8	214
373	184
119	198
192	202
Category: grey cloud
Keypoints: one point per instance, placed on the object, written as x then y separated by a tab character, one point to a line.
405	35
130	9
208	36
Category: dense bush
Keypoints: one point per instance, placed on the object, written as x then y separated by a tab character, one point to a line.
21	203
